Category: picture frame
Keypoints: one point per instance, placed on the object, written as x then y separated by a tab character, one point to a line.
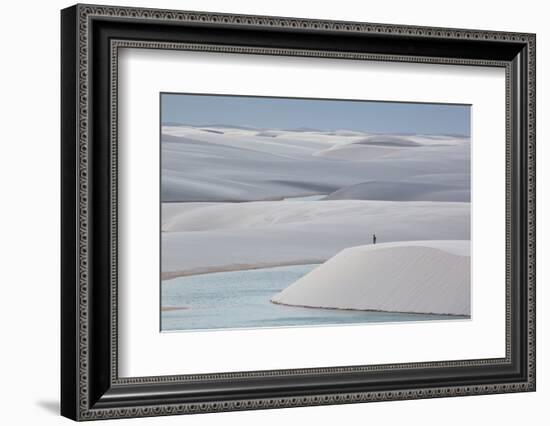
91	387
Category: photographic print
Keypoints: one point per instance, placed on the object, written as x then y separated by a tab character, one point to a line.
284	212
309	195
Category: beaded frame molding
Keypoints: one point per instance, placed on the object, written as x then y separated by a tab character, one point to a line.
91	38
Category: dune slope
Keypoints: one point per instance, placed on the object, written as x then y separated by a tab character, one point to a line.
401	190
219	236
225	163
414	277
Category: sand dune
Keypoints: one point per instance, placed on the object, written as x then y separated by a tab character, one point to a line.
238	164
355	152
388	140
192	217
220	186
412	277
401	190
199	236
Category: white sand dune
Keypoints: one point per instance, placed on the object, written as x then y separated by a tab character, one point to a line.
199	236
344	132
192	217
355	152
222	190
238	164
173	210
414	140
401	190
381	146
414	277
461	180
388	140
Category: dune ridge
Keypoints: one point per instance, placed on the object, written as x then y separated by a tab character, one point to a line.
203	236
403	190
227	163
428	277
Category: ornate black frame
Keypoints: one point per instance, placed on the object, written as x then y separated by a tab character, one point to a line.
91	37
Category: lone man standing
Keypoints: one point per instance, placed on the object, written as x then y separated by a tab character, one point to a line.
374	238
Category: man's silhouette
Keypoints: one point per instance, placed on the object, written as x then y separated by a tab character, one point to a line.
374	238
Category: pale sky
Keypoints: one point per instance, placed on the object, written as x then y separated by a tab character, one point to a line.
292	113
